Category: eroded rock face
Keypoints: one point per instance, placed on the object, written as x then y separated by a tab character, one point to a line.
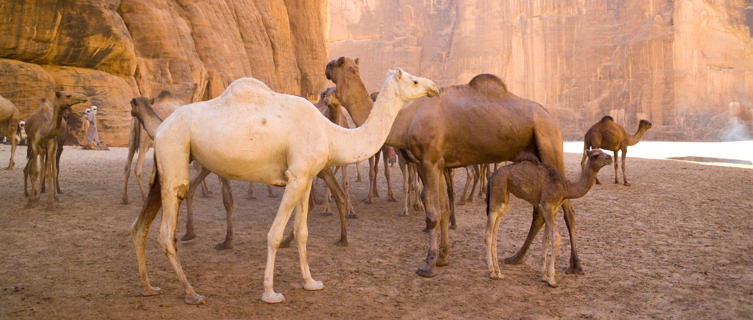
114	50
685	65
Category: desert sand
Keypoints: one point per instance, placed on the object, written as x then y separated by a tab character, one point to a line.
677	244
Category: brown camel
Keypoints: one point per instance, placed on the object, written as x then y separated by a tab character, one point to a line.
58	153
164	104
608	135
433	133
43	127
9	118
545	188
142	109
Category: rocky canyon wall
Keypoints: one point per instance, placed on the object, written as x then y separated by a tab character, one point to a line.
685	65
114	50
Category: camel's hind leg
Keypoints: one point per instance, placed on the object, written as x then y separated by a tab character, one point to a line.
624	175
449	176
133	142
12	128
497	205
616	176
189	235
385	160
139	230
294	192
406	185
143	148
468	179
431	174
49	173
227	201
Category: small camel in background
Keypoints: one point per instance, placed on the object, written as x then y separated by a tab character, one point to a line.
608	135
544	187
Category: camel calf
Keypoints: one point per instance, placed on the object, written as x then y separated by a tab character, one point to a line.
545	188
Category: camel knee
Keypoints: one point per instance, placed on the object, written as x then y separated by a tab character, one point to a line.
168	244
181	190
274	240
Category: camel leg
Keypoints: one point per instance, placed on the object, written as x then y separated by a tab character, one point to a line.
499	196
27	171
58	154
301	236
449	176
294	192
49	172
270	193
189	235
373	162
482	180
143	148
575	266
250	193
444	222
418	188
551	236
358	172
12	128
346	191
468	179
205	192
536	223
327	207
406	185
624	176
43	171
133	144
139	231
616	181
33	174
331	181
431	175
227	201
385	157
476	175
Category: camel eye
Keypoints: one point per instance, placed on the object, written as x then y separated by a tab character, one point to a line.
415	83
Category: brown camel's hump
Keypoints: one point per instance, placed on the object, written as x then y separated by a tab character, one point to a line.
163	94
606	118
488	84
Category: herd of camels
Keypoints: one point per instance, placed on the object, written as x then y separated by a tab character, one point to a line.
426	125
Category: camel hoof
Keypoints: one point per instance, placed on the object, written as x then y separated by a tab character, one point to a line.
513	260
272	297
342	243
223	246
326	213
313	285
195	299
551	283
442	262
453	226
574	270
151	291
598	182
250	197
496	276
124	201
271	195
392	199
430	273
627	184
188	236
351	216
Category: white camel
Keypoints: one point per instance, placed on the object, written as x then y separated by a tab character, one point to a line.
263	140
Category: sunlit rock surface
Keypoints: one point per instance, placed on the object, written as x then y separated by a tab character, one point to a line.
685	65
113	50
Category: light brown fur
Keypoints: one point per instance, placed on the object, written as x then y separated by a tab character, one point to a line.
433	133
9	118
608	135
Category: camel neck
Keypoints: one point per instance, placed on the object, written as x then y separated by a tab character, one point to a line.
149	119
578	188
356	100
57	120
634	139
355	145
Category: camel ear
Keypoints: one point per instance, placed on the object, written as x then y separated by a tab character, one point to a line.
340	61
57	94
399	74
356	61
151	101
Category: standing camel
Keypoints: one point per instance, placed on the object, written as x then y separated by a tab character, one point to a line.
545	188
42	128
433	134
164	104
264	142
608	135
9	117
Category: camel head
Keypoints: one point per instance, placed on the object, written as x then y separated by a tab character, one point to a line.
644	124
330	99
411	87
342	69
138	104
598	159
66	99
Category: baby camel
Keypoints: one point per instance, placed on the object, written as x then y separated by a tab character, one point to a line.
263	141
545	188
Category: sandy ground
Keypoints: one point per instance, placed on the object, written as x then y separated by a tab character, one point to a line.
675	245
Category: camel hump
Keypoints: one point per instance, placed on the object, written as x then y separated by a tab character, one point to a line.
488	84
164	94
606	118
245	89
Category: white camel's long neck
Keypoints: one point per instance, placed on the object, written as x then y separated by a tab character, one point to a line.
355	145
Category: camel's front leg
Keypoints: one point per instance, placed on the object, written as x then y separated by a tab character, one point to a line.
575	266
301	236
449	176
189	235
444	222
133	142
346	192
551	239
290	198
13	142
468	179
143	148
624	175
406	185
385	160
431	175
227	201
331	181
616	181
50	173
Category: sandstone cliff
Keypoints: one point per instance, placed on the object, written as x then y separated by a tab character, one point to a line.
686	65
114	50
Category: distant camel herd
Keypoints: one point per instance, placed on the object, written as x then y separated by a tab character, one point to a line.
284	140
